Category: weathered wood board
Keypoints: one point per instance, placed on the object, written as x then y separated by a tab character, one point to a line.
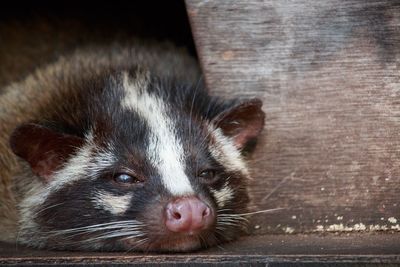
329	75
274	250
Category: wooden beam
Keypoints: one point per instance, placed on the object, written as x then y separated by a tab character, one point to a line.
328	73
294	250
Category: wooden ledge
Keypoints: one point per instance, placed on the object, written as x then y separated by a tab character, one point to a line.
275	250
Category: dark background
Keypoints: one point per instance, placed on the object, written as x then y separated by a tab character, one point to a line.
158	20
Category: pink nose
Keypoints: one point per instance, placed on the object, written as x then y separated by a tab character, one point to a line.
188	214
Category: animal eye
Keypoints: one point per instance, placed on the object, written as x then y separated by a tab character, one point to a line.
126	179
208	176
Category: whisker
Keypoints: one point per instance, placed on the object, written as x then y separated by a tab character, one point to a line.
90	229
87	231
260	211
233	219
227	223
232	216
223	210
220	232
221	247
113	235
237	225
202	241
234	223
70	235
282	182
130	222
218	241
236	220
192	106
138	243
52	206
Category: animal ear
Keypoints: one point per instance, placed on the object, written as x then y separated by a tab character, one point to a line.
242	123
44	149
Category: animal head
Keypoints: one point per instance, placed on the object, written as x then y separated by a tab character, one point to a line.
136	162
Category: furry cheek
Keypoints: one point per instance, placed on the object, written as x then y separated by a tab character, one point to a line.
223	196
116	205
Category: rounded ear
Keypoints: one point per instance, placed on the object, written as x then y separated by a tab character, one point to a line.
44	149
242	123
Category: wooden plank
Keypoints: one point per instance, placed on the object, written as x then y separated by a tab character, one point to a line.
328	73
274	250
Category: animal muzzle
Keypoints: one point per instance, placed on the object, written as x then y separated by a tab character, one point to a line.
188	215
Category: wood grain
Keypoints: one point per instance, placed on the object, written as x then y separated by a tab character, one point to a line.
272	250
328	74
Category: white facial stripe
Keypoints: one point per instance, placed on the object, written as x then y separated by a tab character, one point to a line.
116	205
223	196
84	164
225	152
165	151
75	168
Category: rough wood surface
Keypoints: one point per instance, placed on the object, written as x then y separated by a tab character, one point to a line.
273	250
328	73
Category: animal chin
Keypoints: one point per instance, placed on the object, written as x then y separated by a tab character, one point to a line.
170	244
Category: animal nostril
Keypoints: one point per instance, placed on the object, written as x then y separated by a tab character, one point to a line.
206	212
176	215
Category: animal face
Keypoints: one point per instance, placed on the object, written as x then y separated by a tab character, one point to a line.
137	163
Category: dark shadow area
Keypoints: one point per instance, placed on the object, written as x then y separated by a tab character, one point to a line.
160	20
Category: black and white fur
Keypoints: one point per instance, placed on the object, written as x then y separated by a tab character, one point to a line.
139	109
